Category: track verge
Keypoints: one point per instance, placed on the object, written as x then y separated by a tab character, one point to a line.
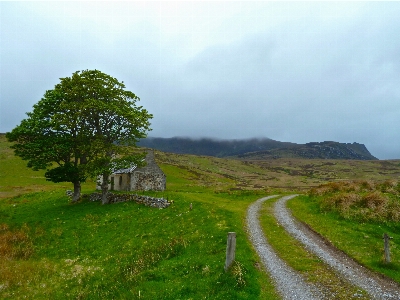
288	282
376	286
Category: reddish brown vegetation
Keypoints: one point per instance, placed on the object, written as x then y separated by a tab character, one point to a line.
363	200
14	244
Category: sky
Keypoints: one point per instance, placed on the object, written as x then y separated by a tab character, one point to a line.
290	71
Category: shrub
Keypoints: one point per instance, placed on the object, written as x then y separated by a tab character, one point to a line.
367	185
375	200
390	186
394	211
363	200
342	203
336	187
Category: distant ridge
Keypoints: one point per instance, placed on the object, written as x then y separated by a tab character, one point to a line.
258	148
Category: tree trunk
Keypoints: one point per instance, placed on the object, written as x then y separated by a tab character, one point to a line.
104	189
83	160
77	191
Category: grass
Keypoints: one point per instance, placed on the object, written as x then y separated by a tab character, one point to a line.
50	248
361	240
17	179
307	264
365	201
277	174
91	251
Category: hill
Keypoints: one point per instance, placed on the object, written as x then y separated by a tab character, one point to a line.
53	249
264	148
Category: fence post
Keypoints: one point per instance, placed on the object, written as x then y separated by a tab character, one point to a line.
230	250
386	239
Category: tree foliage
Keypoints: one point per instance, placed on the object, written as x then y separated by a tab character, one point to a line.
84	126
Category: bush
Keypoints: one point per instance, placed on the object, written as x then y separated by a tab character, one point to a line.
342	203
362	200
367	185
335	187
375	200
394	211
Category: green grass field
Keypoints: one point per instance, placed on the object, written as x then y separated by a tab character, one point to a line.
52	249
301	260
362	240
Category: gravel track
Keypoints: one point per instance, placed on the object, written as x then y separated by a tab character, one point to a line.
288	282
377	287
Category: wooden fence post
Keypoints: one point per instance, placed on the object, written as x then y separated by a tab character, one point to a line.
386	239
230	250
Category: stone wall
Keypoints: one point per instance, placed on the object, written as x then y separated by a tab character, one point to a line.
146	181
146	200
149	177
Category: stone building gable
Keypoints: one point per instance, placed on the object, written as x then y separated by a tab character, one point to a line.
151	165
149	177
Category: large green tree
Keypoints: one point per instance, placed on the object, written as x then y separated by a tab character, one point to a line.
114	121
44	145
82	128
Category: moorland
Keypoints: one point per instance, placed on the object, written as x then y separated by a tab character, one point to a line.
53	249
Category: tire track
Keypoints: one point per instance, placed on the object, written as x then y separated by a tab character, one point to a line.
288	282
375	286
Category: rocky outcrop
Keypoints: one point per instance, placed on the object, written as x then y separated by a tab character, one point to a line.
335	150
259	148
323	150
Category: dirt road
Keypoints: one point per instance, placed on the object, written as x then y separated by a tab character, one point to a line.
290	283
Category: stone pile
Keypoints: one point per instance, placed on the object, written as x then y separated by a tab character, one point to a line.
146	200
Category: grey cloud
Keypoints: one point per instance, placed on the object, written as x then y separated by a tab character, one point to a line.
336	86
305	79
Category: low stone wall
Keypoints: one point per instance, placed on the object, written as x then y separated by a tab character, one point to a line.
146	200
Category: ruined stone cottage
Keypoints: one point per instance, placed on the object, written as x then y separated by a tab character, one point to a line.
149	177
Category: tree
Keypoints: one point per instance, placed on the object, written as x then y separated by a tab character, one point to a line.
39	141
112	120
84	125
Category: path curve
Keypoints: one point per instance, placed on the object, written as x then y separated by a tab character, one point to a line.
288	282
375	286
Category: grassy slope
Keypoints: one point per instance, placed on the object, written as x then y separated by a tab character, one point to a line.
306	263
52	249
15	177
362	241
278	174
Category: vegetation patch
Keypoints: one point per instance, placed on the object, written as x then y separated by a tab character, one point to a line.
58	250
14	244
301	260
358	236
126	250
365	201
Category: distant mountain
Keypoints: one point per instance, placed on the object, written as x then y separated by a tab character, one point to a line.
258	148
323	150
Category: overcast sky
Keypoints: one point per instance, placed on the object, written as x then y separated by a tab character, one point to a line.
296	72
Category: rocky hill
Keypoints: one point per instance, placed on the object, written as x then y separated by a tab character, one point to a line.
323	150
258	148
